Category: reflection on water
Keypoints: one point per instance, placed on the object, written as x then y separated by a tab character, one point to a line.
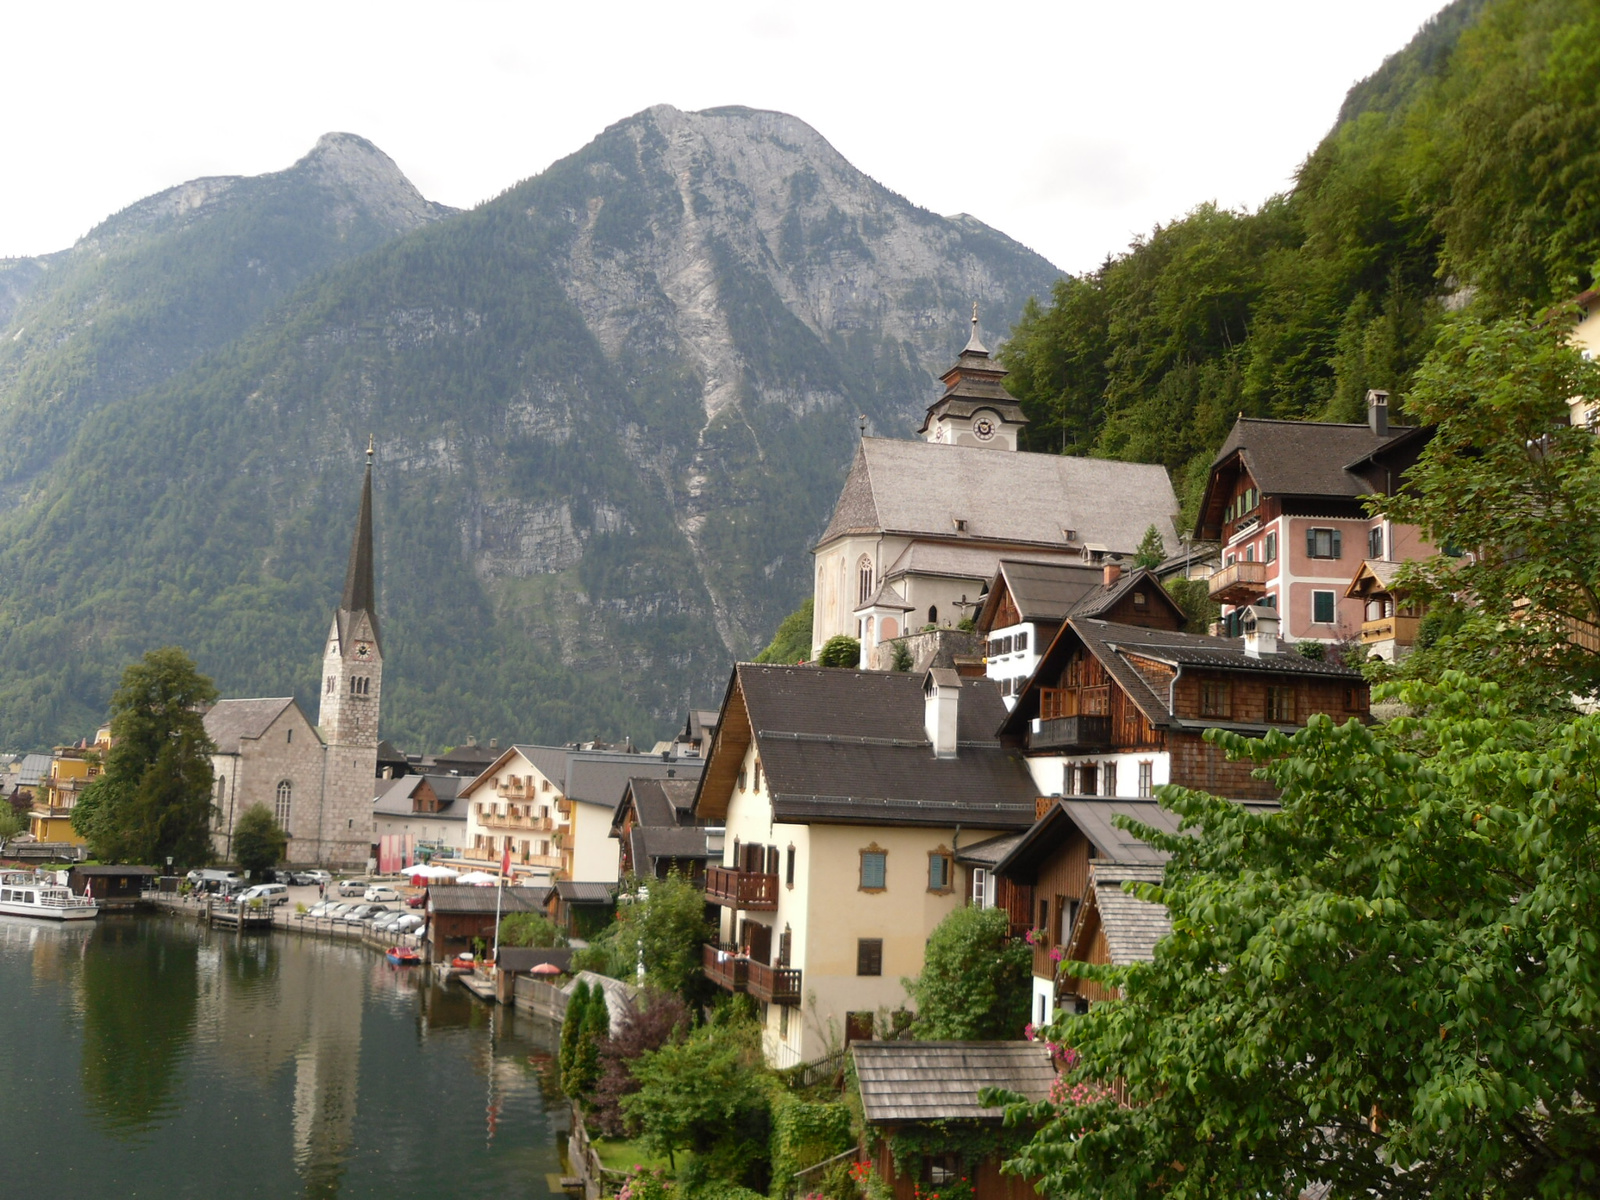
136	1000
267	1064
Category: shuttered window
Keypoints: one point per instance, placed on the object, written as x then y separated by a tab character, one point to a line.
869	956
874	870
1323	543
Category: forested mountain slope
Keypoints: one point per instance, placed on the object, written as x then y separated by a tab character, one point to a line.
612	406
1465	171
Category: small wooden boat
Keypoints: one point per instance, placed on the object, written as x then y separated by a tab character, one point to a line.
464	962
403	956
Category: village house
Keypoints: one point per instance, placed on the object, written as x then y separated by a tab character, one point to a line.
417	814
518	805
1118	710
69	771
1283	501
920	1094
1115	711
1028	602
920	526
316	780
657	832
845	798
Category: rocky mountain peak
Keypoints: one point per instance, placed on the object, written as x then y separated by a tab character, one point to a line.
367	177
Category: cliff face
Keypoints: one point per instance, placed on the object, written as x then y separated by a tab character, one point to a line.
613	407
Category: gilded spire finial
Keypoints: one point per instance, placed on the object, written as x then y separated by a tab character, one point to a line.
974	316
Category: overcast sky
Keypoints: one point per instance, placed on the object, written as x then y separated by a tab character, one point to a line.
1070	125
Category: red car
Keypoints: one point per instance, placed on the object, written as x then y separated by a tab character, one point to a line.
417	901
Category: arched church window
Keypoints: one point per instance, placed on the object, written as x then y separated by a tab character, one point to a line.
864	579
933	614
280	810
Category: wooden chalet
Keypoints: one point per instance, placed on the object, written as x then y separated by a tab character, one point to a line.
911	1086
458	914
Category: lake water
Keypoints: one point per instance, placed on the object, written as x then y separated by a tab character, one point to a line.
147	1056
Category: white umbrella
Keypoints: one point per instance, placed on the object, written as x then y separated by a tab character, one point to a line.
478	878
423	871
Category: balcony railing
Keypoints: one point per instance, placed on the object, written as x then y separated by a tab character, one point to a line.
1239	583
1401	630
774	985
725	968
1072	734
741	889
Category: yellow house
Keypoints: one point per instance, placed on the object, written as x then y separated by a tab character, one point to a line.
72	768
845	798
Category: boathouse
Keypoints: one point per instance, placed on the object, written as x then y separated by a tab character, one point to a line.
112	885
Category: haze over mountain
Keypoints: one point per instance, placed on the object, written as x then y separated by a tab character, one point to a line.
613	406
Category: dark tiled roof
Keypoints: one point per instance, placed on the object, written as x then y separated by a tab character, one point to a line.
103	870
1304	458
457	898
922	488
650	843
230	720
850	747
599	778
398	799
905	1082
583	892
990	851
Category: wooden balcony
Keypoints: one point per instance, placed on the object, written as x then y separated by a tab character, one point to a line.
725	968
774	985
1400	630
1072	734
741	889
1241	583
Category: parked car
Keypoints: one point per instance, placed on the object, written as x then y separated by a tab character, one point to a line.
334	912
387	918
269	893
406	923
320	909
313	877
352	887
381	893
361	913
417	901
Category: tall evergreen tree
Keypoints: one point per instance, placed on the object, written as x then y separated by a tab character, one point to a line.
154	800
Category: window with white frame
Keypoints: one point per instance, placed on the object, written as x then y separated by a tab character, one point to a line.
281	806
1324	543
1322	608
1147	776
1108	779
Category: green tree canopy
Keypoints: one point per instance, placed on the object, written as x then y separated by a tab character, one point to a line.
670	924
792	642
976	979
1506	478
258	843
1152	551
530	929
709	1093
1391	986
154	799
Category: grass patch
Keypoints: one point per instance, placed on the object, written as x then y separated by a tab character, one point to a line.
620	1154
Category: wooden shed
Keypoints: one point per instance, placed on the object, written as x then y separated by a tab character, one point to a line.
458	914
1115	926
916	1088
114	885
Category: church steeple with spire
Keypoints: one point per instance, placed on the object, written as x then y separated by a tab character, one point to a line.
352	663
976	409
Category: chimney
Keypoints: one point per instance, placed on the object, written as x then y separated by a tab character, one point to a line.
1378	412
472	739
494	743
941	694
1112	572
1260	630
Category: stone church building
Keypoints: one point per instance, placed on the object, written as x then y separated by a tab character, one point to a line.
317	780
921	526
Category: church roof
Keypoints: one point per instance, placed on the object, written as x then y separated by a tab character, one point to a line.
230	720
360	592
922	488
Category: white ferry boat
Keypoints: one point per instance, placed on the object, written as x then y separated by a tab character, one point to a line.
26	895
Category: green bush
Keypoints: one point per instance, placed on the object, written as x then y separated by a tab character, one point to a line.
975	978
840	650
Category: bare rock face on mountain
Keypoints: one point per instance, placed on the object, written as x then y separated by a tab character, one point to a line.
613	406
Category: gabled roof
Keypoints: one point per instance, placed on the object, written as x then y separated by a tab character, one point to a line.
850	747
1052	592
35	769
922	488
230	720
573	891
649	843
907	1082
1380	573
1132	926
1306	459
989	851
659	802
1121	648
600	778
399	797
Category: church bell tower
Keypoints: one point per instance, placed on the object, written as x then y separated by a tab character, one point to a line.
976	409
352	684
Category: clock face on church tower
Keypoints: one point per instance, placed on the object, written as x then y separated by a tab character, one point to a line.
983	428
363	650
